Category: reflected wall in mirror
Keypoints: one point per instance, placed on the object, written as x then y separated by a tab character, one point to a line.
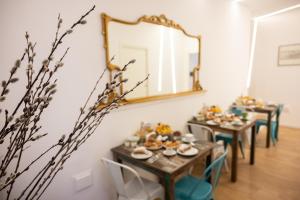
161	48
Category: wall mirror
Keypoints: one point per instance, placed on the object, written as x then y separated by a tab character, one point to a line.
161	48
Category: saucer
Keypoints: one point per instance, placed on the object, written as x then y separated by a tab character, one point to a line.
169	153
185	140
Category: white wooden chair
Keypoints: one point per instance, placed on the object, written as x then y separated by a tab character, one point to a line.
136	188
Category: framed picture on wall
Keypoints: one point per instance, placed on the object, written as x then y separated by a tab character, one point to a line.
289	55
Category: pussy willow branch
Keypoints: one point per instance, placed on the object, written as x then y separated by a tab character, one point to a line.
29	111
50	58
25	130
25	127
30	49
71	145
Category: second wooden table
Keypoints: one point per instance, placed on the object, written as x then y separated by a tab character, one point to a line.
235	131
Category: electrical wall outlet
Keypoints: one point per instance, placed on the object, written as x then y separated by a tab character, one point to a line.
83	180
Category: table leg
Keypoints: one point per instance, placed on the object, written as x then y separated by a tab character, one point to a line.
277	124
234	158
253	140
169	185
269	121
116	158
209	159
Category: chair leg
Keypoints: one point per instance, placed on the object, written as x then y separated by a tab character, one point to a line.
257	128
190	171
273	135
274	141
242	148
276	132
226	165
225	145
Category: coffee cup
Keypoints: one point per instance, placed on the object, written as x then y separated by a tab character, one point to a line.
189	137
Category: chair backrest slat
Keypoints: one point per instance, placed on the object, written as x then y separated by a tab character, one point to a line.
115	171
215	167
280	109
117	177
202	133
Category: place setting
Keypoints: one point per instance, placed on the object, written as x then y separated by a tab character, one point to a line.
214	116
160	143
250	102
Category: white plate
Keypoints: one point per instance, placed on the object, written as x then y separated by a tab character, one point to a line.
237	123
211	122
169	153
186	141
191	152
142	156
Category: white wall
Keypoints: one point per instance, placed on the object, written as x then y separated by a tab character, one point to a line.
269	81
225	30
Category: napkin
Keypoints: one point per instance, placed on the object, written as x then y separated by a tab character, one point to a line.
140	150
184	148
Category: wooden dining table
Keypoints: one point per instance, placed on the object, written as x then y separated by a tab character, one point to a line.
236	131
270	111
166	168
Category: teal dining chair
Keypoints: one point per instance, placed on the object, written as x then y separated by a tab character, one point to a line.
193	188
274	124
227	138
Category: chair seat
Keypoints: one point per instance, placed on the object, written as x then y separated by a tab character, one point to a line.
192	188
135	192
274	124
264	122
199	194
225	137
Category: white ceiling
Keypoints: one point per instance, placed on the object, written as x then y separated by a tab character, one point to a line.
261	7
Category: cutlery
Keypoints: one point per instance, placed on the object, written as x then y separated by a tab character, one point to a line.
169	162
154	158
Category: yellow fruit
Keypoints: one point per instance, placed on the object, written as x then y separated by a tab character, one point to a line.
163	129
215	109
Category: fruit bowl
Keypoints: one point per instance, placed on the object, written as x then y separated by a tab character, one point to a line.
163	129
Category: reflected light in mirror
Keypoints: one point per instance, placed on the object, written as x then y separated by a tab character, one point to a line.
236	1
172	60
152	41
161	55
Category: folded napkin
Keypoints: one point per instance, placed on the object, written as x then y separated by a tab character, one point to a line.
184	148
140	150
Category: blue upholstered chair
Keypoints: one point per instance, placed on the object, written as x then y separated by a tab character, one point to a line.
274	124
227	138
193	188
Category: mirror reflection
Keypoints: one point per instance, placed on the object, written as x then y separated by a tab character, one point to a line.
168	54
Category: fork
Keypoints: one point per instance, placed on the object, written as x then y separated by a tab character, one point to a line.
154	158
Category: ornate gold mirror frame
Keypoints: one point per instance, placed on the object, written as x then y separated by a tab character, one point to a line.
158	20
